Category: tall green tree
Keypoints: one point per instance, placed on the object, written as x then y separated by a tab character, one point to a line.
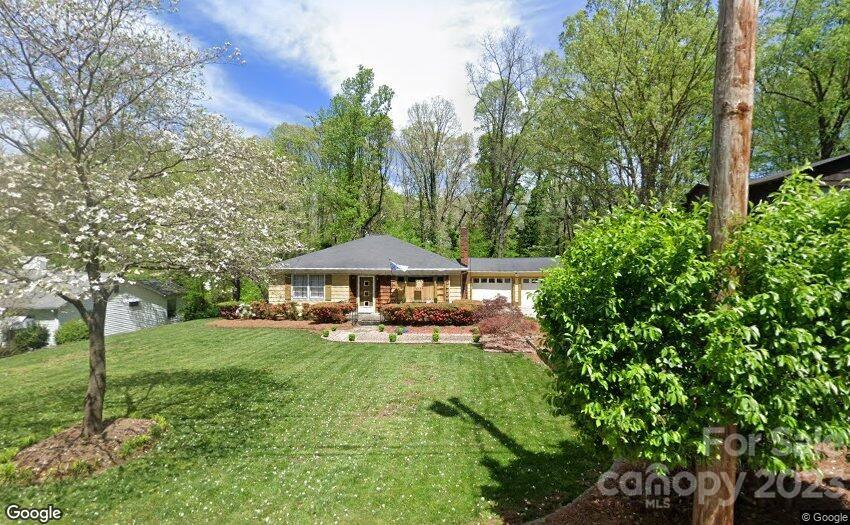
502	81
436	159
803	97
637	76
355	134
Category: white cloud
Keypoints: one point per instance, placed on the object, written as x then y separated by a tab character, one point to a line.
254	117
419	49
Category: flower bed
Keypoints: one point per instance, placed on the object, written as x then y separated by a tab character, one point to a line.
289	311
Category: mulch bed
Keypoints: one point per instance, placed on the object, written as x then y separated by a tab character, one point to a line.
54	457
265	323
594	507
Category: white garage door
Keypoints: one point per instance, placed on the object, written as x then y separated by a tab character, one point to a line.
529	288
490	288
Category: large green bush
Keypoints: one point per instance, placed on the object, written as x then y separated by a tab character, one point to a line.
71	331
197	306
646	360
30	338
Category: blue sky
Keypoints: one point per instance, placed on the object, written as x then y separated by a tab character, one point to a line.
296	53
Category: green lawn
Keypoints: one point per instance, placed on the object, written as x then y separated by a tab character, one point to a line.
284	426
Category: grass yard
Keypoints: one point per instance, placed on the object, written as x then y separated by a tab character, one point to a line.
280	425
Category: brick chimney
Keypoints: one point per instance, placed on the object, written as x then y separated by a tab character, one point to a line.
464	246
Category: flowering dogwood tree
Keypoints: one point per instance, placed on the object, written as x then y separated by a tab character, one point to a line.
110	166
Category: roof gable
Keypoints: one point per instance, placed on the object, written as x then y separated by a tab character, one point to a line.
372	252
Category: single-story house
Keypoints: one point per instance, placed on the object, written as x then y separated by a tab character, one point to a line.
142	304
381	269
834	171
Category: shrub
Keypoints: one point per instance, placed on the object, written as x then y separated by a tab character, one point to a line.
496	306
69	332
381	327
80	468
430	313
329	312
399	330
435	337
476	338
645	358
351	337
259	310
133	444
333	329
507	323
196	306
159	427
326	333
29	338
393	338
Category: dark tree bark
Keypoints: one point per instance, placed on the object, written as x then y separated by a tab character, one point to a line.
93	407
237	288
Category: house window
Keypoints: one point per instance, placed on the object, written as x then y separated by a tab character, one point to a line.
308	287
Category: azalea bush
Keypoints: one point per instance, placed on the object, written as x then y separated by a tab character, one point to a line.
328	312
646	358
261	310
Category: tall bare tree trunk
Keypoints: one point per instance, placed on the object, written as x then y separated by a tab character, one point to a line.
93	409
728	187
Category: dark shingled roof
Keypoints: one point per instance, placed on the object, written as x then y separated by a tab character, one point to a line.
163	288
510	264
833	171
372	252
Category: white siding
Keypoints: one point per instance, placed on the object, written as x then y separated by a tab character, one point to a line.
121	317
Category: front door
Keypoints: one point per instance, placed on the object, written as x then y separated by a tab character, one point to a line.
366	294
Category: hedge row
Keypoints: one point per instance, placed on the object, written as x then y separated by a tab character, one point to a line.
319	312
457	313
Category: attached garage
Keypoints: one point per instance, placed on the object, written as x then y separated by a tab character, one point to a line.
490	288
528	290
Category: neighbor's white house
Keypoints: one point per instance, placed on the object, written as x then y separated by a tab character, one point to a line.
142	304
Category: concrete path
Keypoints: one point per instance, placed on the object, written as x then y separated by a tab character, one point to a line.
370	334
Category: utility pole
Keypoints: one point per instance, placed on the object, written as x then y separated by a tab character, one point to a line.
734	81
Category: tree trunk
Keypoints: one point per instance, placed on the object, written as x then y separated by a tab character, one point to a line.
93	409
728	188
237	288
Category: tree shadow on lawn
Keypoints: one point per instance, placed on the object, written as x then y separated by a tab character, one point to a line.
211	412
532	484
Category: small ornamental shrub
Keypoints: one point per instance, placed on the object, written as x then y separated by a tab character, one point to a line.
227	309
333	329
645	358
80	468
29	338
326	333
330	312
393	338
381	328
507	323
399	330
351	337
133	444
476	338
71	331
159	427
435	337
